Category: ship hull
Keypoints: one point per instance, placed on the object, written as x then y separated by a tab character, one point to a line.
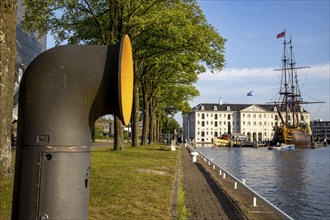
299	138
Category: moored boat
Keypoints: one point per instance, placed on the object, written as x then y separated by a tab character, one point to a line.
222	141
283	147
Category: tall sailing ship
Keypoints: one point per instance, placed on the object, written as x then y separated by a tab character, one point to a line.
293	128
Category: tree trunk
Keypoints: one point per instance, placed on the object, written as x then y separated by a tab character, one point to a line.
151	128
145	130
7	71
135	111
158	130
119	135
152	116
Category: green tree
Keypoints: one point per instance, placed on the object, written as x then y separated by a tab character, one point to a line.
7	70
174	52
170	126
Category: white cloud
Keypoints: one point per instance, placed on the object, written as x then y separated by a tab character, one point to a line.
320	71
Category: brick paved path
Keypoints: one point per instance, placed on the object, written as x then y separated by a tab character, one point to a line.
205	199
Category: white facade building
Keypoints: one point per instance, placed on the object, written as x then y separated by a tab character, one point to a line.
207	121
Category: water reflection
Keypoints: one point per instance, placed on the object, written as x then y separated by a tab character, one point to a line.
291	180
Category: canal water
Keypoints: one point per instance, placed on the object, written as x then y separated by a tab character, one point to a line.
297	182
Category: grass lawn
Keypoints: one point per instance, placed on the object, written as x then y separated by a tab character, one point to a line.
134	184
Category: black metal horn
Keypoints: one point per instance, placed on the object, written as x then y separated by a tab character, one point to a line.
63	91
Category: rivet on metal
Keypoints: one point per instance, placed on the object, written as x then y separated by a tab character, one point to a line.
44	217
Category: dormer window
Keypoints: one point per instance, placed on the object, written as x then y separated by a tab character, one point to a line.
275	109
215	108
202	108
228	108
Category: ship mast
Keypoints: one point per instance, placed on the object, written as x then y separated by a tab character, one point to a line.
291	96
286	91
294	101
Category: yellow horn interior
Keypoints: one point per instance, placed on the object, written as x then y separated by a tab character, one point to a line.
126	78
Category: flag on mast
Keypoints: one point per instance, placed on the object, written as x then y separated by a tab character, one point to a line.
282	34
250	93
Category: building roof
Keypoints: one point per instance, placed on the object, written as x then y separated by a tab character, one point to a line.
224	107
232	107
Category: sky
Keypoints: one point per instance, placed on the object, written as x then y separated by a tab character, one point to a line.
252	51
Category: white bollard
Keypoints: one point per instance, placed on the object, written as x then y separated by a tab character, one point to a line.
194	155
224	175
235	186
173	148
254	202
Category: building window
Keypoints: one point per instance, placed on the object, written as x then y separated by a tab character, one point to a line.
202	108
203	134
228	116
254	116
198	122
215	134
243	115
197	114
228	108
243	122
248	123
215	108
248	115
203	116
215	116
215	124
211	122
276	118
203	123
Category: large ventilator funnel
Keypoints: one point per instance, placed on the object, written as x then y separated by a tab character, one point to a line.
63	91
